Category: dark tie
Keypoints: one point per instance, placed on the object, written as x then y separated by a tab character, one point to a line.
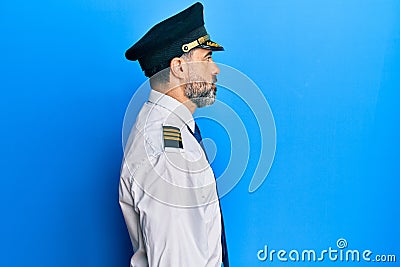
225	260
197	135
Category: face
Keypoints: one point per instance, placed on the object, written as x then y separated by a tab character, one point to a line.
200	87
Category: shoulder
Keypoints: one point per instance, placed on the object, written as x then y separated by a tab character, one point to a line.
154	132
161	130
158	132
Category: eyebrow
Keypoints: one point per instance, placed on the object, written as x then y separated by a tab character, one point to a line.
208	54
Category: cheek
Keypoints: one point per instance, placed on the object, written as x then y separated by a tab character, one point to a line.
203	69
206	70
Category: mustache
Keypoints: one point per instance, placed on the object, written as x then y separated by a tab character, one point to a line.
196	79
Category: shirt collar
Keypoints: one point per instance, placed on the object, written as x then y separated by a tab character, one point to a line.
172	105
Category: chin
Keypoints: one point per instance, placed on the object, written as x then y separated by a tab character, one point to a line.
204	102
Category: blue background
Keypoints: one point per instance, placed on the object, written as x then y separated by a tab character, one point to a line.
329	70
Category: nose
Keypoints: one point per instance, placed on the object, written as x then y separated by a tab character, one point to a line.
215	69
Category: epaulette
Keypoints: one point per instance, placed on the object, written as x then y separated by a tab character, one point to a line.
172	137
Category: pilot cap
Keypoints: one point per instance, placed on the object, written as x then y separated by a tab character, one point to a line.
171	38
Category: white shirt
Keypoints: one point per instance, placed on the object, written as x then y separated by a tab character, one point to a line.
168	193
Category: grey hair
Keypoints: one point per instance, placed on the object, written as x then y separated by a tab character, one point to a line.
162	75
188	55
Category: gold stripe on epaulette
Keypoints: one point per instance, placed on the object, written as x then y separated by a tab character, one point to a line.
171	130
172	138
172	134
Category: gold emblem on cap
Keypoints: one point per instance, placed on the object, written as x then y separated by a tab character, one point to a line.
199	41
213	44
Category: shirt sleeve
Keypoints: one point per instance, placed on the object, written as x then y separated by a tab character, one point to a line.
131	216
177	211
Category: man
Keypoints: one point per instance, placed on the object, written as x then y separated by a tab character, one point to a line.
167	189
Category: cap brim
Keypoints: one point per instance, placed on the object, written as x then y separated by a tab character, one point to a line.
212	46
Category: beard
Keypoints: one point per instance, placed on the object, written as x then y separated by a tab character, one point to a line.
200	91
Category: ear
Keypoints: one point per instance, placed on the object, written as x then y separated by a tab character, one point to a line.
178	67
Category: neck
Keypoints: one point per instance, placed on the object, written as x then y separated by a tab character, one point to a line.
178	94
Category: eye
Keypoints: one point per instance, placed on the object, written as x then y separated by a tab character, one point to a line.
209	58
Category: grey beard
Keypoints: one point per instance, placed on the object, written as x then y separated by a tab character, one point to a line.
199	91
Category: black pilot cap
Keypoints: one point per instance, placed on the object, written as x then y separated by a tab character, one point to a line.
171	38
